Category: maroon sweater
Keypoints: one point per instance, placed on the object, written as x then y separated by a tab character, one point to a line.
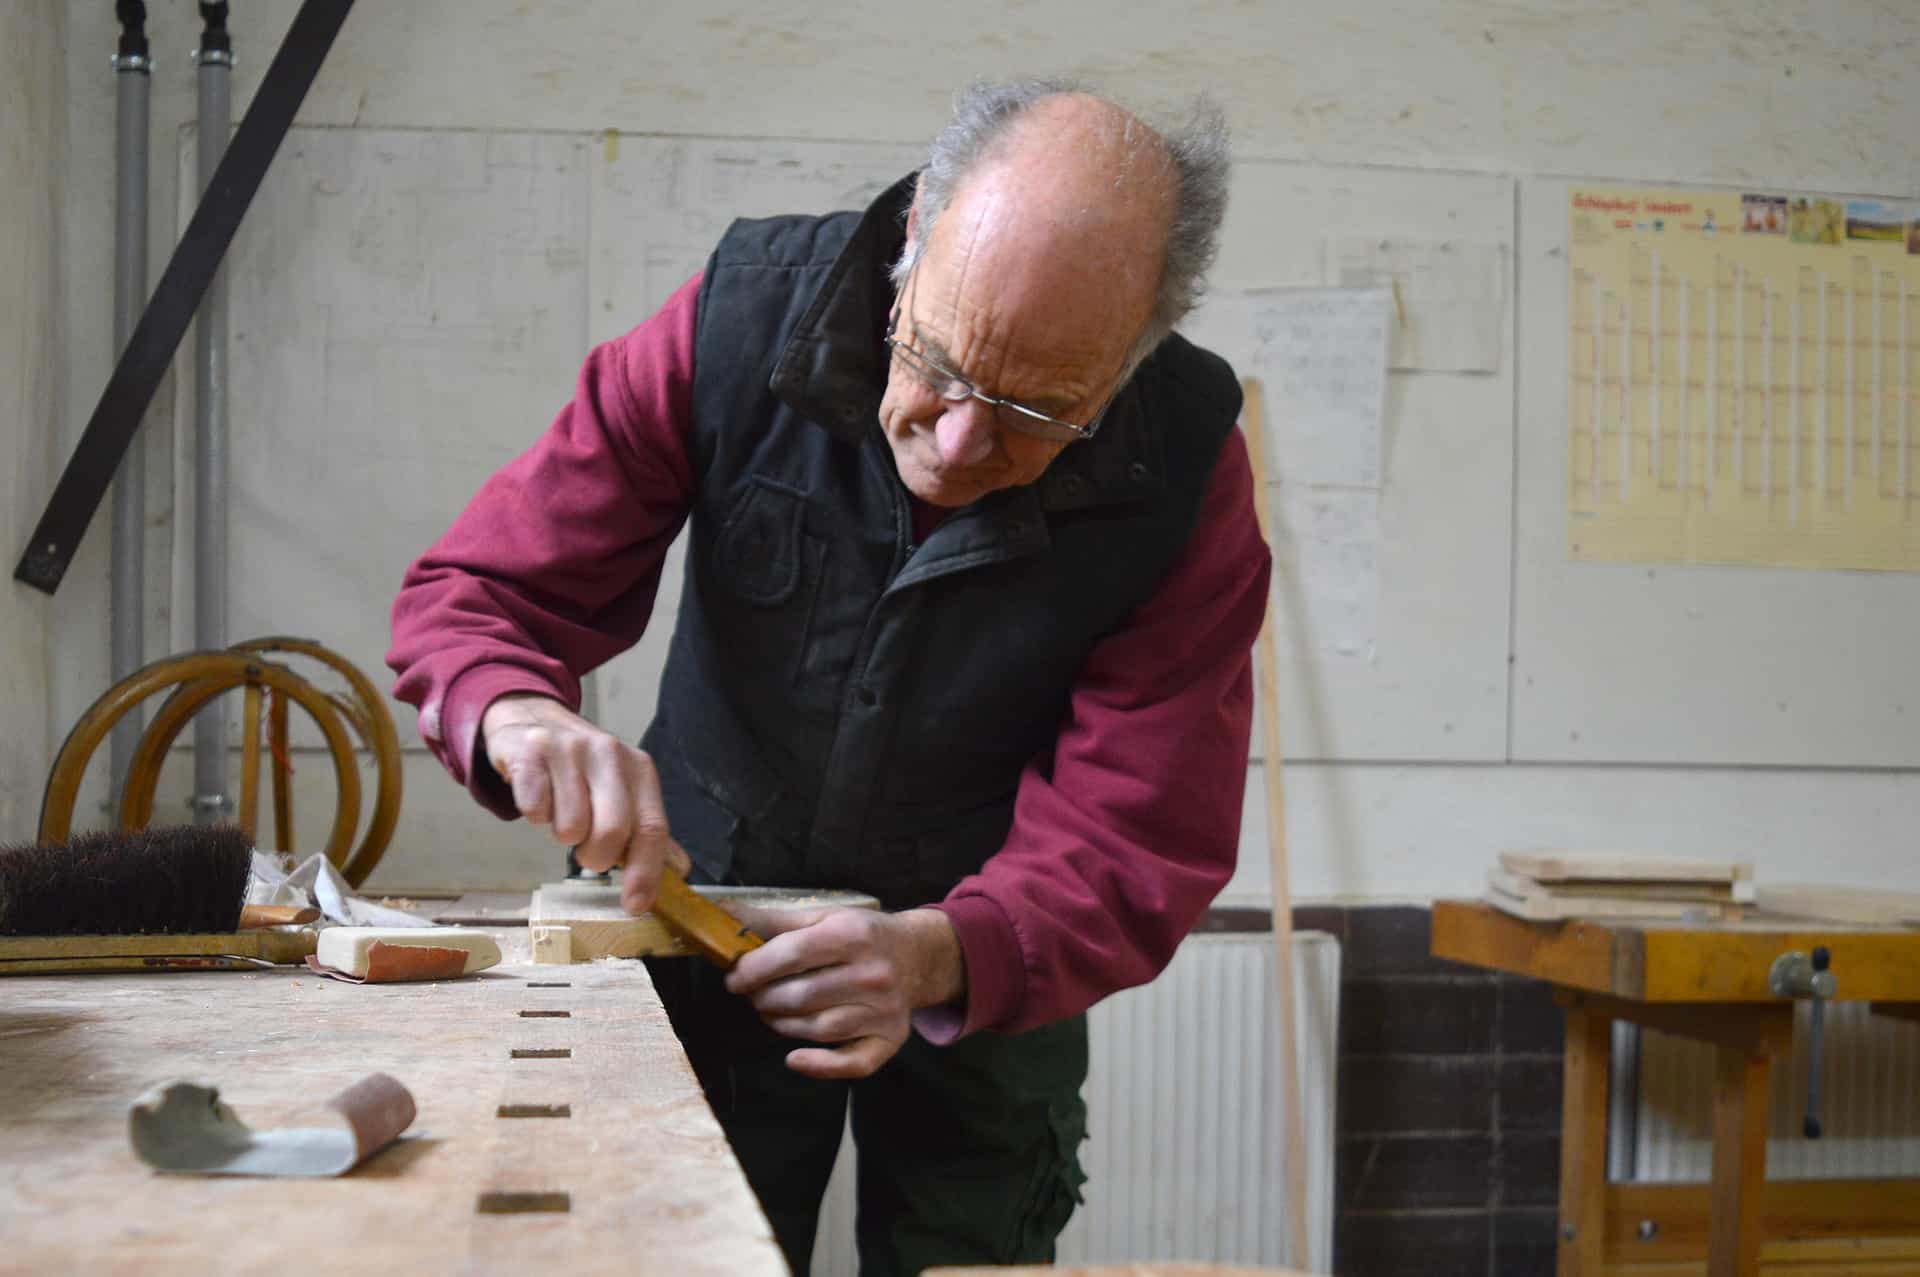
1119	841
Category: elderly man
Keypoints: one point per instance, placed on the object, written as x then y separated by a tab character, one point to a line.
973	578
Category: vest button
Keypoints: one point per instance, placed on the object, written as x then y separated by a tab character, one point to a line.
1138	472
1073	484
867	697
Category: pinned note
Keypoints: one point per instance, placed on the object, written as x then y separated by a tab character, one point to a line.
1449	297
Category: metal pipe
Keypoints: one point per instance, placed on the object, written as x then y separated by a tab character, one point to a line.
1623	1104
132	67
214	58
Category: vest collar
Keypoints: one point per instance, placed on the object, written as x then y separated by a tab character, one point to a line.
833	371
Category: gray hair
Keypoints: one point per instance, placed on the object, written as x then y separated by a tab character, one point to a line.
1196	145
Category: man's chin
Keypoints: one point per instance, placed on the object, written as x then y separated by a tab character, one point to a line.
948	491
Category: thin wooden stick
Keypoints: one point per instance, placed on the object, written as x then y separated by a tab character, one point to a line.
1267	678
277	741
250	761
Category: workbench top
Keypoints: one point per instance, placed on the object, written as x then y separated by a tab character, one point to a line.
649	1180
1673	961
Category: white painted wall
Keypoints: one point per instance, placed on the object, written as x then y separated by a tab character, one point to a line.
32	102
1818	96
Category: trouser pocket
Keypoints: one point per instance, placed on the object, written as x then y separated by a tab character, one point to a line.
1057	1185
969	1153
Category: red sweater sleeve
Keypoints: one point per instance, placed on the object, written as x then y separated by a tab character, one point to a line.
553	566
1117	848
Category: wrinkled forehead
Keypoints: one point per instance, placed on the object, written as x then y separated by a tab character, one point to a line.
1015	264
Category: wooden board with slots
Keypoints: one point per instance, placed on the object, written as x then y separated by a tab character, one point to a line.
560	1127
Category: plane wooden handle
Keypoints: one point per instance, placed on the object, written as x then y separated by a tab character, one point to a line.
707	929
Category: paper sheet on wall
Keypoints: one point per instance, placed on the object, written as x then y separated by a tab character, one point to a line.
1449	298
1329	542
1321	357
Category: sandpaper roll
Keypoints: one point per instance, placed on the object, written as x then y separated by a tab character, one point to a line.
182	1128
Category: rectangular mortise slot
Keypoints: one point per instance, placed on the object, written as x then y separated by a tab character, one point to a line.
546	1015
523	1203
534	1110
549	984
542	1053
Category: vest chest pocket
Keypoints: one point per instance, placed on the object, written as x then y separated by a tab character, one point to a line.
759	553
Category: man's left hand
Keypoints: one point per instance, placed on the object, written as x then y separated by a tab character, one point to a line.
848	976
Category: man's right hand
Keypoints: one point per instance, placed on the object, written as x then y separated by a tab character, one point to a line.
600	795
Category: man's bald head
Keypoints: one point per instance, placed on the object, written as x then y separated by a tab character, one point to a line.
1054	240
1149	200
1088	191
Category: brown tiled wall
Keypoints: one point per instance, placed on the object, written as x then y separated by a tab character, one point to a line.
1448	1130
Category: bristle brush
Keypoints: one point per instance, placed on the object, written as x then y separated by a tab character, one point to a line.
170	881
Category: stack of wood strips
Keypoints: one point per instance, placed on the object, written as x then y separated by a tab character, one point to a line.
1549	886
1855	906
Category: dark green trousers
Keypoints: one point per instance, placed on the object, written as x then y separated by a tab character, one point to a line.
969	1154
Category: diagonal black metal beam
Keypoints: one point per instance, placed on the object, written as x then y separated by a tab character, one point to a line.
144	362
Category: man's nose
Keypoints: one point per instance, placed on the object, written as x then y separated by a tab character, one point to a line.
965	433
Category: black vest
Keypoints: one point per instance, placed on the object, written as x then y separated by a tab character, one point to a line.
841	707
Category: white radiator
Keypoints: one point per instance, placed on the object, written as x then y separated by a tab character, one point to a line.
1869	1103
1185	1156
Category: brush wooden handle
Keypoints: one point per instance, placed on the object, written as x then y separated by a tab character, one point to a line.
155	962
707	929
274	946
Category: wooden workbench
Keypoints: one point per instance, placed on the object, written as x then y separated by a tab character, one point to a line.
1707	981
649	1182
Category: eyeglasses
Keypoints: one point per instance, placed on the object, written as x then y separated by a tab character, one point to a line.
954	388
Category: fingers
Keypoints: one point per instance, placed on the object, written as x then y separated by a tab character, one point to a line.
599	772
640	882
768	923
647	840
835	1024
600	795
512	732
866	984
572	801
827	975
532	790
855	1060
797	941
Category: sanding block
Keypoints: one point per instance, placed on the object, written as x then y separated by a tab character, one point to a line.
382	955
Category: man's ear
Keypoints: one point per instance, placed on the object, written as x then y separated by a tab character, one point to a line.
913	215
